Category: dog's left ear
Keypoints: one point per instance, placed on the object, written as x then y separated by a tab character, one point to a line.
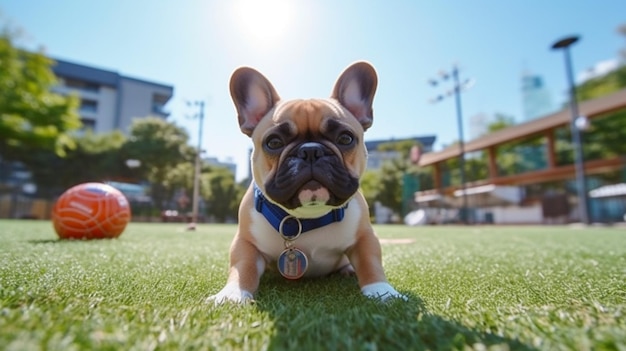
355	90
254	96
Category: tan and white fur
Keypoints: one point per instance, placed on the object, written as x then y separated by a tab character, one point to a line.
330	131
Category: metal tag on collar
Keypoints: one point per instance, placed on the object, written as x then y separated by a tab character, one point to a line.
292	263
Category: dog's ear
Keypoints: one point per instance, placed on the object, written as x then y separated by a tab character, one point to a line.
355	90
253	95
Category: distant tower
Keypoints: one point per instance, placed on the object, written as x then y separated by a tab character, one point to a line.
536	99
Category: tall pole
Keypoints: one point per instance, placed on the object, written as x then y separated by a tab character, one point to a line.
459	121
565	44
196	177
458	86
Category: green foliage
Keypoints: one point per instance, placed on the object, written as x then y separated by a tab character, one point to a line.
221	193
387	185
603	85
96	157
514	157
370	187
484	288
501	121
180	177
160	146
606	137
390	184
32	117
476	168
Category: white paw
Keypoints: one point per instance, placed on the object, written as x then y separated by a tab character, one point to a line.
381	290
231	293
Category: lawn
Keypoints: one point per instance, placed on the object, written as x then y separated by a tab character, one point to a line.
476	288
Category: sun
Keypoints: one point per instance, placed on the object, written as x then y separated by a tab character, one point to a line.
263	20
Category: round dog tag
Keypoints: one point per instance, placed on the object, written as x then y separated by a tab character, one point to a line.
292	263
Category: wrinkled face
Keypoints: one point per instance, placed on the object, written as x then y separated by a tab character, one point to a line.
308	155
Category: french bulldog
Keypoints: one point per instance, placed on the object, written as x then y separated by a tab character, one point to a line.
303	212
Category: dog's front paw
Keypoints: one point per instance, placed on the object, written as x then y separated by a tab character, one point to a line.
382	291
231	293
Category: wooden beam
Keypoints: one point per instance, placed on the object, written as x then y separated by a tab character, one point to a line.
437	175
591	108
545	175
493	164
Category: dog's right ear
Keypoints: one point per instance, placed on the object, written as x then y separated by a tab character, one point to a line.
253	95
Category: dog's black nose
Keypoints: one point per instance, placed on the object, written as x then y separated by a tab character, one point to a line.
310	151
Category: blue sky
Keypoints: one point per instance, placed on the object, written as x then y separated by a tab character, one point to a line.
303	45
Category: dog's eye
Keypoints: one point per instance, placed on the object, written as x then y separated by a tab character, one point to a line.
274	143
345	139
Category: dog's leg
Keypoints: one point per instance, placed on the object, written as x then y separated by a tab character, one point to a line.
366	258
246	267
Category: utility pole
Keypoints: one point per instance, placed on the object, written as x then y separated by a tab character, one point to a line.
456	90
196	178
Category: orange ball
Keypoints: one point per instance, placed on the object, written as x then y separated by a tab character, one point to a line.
91	211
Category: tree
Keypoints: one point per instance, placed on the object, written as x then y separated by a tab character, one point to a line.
96	157
605	139
370	188
390	180
513	157
180	177
221	193
32	117
391	183
501	121
160	146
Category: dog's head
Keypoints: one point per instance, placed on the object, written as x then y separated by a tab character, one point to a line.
308	154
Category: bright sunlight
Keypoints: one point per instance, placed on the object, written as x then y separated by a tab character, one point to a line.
264	20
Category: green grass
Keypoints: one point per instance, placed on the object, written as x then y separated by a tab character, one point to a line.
545	288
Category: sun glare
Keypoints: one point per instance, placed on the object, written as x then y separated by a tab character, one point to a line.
263	20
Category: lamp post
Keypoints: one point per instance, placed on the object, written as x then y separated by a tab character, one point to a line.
575	121
133	163
196	177
456	90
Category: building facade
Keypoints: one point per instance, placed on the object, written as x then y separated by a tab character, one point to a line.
376	157
108	100
527	174
229	165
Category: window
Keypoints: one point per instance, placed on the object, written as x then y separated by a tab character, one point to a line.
158	104
88	123
88	106
81	85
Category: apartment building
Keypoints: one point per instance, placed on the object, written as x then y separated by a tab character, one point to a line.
109	100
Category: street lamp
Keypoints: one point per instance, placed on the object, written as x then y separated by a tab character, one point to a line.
575	122
196	176
456	90
133	163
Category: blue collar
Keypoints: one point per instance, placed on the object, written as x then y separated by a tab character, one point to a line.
287	225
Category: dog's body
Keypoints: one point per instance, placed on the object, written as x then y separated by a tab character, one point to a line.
304	212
